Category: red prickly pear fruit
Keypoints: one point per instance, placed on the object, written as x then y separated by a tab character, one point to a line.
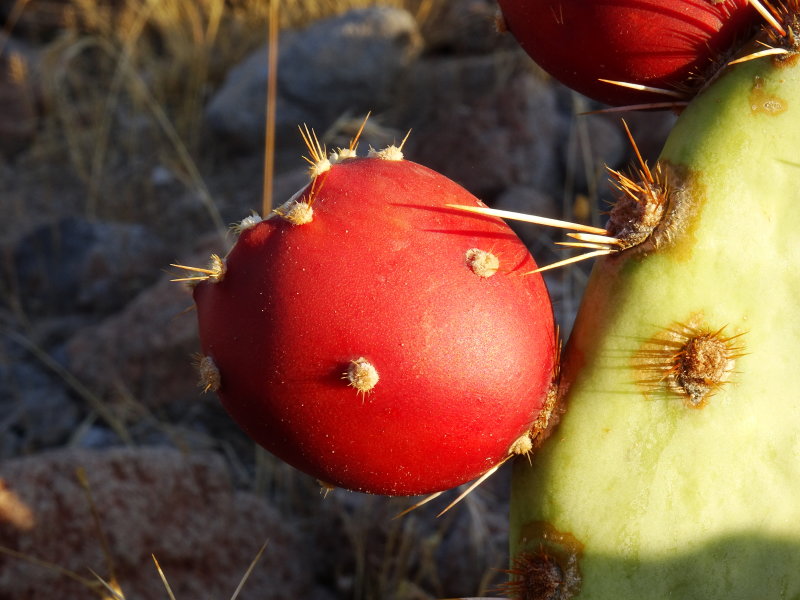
387	344
664	44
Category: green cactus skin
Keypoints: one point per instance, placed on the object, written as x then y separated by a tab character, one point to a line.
645	491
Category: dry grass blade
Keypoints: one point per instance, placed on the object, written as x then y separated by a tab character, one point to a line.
83	480
97	405
247	573
163	578
185	158
11	20
142	91
163	54
102	135
271	108
88	583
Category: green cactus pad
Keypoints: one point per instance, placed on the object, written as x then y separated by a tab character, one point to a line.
675	470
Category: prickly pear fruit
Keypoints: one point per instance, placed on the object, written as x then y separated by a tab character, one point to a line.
665	44
675	470
376	339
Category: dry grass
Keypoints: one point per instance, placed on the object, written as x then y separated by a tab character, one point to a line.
124	84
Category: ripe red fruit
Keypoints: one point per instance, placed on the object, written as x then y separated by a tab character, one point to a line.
657	43
389	345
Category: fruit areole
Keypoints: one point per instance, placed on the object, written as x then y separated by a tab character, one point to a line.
675	469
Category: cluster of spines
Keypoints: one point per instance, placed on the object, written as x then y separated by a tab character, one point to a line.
551	572
298	210
691	361
644	198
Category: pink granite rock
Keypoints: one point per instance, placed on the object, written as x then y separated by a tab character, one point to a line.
149	501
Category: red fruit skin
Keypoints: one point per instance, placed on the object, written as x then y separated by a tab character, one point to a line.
464	361
658	43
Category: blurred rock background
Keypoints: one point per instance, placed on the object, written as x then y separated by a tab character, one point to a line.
131	134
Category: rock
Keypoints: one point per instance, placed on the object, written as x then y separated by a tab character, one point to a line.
155	364
37	410
345	64
76	265
180	508
488	122
464	27
97	437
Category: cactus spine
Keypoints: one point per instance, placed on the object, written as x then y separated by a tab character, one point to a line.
675	470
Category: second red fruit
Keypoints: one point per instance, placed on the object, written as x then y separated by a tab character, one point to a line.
658	43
